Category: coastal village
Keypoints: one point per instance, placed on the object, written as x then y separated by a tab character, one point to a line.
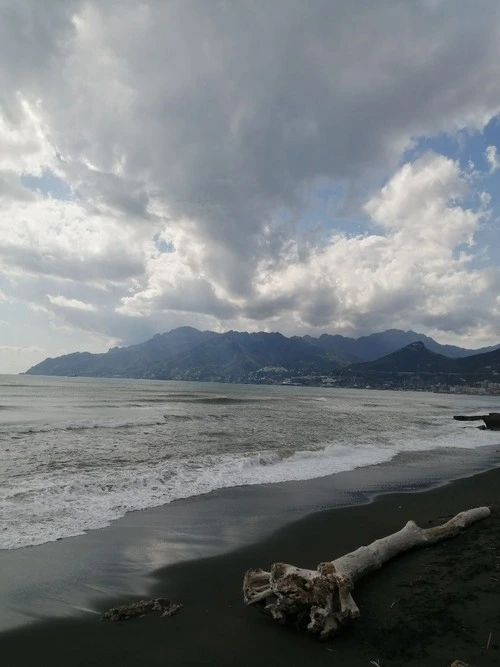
403	382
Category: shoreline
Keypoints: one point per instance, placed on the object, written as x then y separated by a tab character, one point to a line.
466	390
206	574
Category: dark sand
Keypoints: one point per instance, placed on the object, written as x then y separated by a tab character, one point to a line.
428	607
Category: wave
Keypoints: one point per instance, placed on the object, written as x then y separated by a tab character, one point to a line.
215	400
56	503
88	425
16	431
53	506
184	418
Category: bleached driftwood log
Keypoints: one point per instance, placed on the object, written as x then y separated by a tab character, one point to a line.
320	600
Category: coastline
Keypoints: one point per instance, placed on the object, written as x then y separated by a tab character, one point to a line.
205	574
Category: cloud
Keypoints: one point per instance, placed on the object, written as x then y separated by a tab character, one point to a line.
230	133
207	125
418	201
416	269
3	297
63	302
54	238
493	158
23	142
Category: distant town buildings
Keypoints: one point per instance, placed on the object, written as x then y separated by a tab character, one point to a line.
393	381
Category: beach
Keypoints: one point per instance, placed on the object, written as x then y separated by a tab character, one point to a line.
427	607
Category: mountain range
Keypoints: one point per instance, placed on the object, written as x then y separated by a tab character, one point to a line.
414	366
188	354
416	358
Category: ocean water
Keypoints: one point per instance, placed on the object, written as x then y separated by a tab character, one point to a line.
77	453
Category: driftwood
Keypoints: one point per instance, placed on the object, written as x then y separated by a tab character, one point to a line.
141	608
320	600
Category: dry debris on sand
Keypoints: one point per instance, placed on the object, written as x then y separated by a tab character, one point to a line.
141	608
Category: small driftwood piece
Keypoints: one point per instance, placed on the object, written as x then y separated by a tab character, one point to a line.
320	600
141	608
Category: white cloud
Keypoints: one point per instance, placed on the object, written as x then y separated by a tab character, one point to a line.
418	201
49	237
24	145
63	302
493	158
412	273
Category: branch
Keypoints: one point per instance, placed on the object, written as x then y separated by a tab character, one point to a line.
320	600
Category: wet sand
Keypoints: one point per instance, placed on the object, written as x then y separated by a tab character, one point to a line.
428	607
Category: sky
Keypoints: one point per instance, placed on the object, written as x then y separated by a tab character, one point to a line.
330	166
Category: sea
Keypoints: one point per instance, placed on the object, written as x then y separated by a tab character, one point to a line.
79	453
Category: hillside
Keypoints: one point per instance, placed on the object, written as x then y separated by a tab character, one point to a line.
188	354
416	367
374	346
413	358
487	363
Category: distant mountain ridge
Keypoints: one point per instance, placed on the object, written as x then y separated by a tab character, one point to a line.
416	358
188	354
374	346
413	358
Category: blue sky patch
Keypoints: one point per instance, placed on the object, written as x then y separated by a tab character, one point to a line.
48	184
162	245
